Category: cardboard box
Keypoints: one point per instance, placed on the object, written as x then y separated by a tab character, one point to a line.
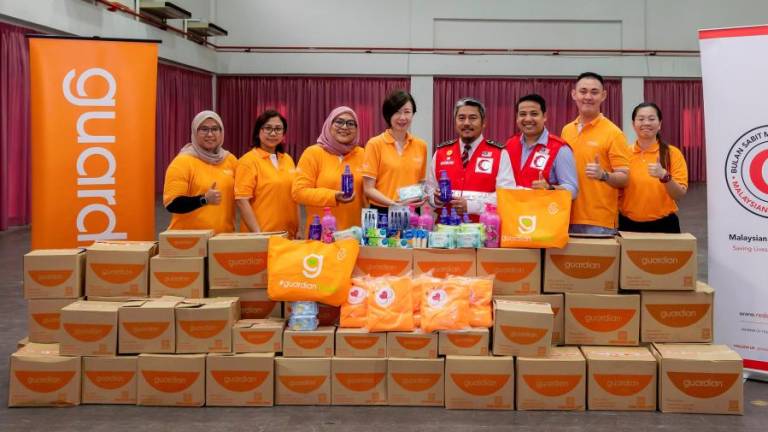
118	269
444	262
148	326
184	243
254	302
377	261
677	316
240	379
327	315
355	342
42	377
479	383
557	382
620	379
315	343
258	336
171	380
302	381
181	277
522	328
359	381
696	378
44	319
238	260
109	380
416	382
556	301
597	319
583	266
414	344
472	342
54	273
89	328
653	261
205	325
517	271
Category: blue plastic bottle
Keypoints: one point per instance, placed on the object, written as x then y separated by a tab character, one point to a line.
455	219
347	182
466	218
444	218
315	229
445	187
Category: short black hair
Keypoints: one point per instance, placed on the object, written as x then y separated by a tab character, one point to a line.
394	101
592	75
533	97
261	120
469	101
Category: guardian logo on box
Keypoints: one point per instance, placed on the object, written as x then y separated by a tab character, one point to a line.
746	171
313	266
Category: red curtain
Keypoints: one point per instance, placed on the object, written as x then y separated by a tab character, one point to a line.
682	105
499	96
181	94
304	101
14	126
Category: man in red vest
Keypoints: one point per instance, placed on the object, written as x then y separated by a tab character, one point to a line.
475	166
540	160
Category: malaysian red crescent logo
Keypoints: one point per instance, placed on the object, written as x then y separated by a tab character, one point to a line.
746	171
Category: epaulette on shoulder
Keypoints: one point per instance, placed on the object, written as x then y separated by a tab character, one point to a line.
496	144
446	143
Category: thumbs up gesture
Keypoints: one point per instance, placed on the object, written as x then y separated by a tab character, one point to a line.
540	183
593	169
213	196
656	170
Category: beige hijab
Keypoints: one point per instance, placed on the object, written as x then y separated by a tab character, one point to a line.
215	157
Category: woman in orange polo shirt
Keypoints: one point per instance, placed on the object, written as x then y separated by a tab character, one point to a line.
395	158
264	178
318	174
658	177
199	182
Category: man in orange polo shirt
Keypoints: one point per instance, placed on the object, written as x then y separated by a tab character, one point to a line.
602	160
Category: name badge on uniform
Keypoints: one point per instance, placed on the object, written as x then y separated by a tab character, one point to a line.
484	165
540	158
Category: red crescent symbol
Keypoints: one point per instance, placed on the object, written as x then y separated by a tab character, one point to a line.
756	171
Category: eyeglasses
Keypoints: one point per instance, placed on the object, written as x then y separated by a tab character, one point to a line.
340	123
205	130
269	130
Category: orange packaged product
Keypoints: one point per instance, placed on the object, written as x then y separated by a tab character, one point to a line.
421	283
480	297
354	311
390	304
445	306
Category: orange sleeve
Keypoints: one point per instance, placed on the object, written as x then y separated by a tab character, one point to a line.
678	168
372	159
304	189
246	178
423	176
177	178
619	152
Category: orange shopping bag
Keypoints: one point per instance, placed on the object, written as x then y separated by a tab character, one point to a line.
390	304
309	270
445	306
355	309
534	218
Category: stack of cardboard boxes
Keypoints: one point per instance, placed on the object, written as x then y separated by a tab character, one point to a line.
635	325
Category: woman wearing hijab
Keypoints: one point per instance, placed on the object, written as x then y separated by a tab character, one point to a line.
318	177
199	182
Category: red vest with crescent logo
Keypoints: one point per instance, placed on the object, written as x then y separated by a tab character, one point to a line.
529	172
482	168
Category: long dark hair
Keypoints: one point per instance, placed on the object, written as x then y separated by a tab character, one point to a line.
663	145
261	120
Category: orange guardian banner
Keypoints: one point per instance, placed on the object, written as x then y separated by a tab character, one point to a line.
93	140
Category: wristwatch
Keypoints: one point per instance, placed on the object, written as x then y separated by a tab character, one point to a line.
604	176
203	201
667	177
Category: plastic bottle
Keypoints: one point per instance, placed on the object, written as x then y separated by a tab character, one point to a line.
315	229
484	214
455	219
426	221
492	227
328	222
445	219
466	218
445	187
347	182
413	220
